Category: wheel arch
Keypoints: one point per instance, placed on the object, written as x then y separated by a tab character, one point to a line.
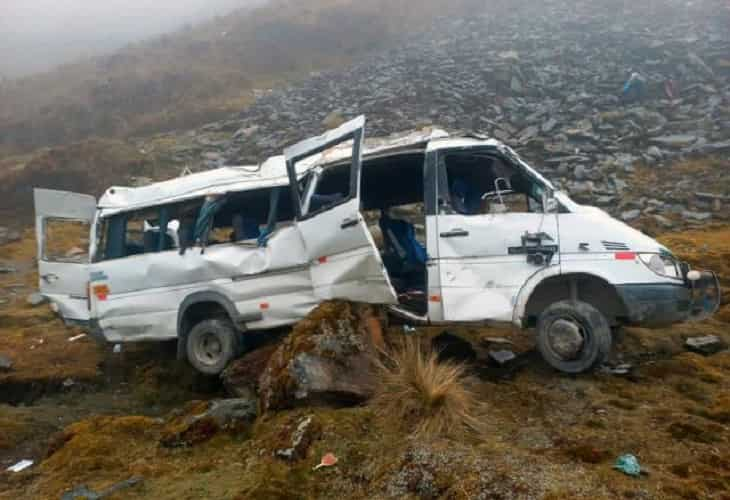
199	305
588	287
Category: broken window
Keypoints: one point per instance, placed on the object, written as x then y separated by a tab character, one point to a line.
65	240
473	183
150	230
250	216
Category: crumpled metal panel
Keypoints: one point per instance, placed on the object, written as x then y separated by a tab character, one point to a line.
145	291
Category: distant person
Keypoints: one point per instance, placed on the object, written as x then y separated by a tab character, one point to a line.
634	88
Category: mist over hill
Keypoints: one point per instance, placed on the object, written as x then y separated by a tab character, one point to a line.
40	34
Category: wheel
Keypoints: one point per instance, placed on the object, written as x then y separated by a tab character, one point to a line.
573	336
211	345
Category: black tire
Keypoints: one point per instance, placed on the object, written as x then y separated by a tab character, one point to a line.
573	336
211	345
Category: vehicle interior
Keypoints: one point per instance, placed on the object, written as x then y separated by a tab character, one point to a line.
392	190
482	183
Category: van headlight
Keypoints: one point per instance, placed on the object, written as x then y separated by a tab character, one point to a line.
661	264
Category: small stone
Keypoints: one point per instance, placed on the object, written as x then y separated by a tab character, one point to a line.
654	152
502	357
36	299
307	430
630	215
6	364
580	173
706	345
696	216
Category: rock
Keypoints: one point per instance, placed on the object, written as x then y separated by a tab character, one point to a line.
6	364
580	173
450	347
630	215
549	125
203	420
707	345
678	141
327	359
36	299
502	357
306	431
241	377
654	152
696	216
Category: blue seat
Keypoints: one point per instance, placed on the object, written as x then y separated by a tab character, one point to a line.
404	252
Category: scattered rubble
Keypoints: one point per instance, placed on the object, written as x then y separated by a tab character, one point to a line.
707	345
204	420
549	85
306	431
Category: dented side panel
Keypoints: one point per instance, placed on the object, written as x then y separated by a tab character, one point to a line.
138	297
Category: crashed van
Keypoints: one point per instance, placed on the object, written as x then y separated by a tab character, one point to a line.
440	229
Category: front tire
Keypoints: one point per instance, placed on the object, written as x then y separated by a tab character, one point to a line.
211	345
573	336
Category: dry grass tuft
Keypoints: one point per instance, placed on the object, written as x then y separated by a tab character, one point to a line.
424	396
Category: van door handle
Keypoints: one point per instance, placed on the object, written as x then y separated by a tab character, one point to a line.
348	223
455	233
49	278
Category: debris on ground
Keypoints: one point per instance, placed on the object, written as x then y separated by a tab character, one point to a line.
706	345
628	464
502	357
328	460
20	466
305	432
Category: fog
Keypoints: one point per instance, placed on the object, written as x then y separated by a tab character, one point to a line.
36	35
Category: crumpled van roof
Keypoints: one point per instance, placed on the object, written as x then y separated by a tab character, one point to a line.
270	173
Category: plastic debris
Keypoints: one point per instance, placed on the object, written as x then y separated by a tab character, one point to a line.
22	465
328	460
77	337
628	464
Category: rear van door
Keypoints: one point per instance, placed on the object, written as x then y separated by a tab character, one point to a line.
343	258
63	229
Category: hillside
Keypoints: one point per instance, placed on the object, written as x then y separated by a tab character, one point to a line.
199	74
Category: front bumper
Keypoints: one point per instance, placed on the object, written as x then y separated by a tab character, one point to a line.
667	303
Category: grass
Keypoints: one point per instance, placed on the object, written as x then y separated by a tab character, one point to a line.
429	397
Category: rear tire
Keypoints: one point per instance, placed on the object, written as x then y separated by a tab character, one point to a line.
573	336
211	345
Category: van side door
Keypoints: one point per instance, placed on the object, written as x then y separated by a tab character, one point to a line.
63	223
493	233
343	258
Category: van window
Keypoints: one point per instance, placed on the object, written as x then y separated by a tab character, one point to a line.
65	240
472	184
332	187
250	215
150	230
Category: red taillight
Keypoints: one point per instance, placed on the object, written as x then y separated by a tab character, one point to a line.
625	255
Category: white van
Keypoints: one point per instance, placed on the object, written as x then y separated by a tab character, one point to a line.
441	229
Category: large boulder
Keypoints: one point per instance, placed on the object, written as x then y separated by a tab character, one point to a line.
327	359
241	377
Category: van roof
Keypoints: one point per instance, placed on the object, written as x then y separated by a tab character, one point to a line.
272	172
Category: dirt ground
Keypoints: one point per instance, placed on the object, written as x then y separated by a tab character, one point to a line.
89	417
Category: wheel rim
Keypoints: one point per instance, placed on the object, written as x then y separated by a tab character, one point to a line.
566	338
208	349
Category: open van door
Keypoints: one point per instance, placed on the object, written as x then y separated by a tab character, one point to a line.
63	228
344	261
